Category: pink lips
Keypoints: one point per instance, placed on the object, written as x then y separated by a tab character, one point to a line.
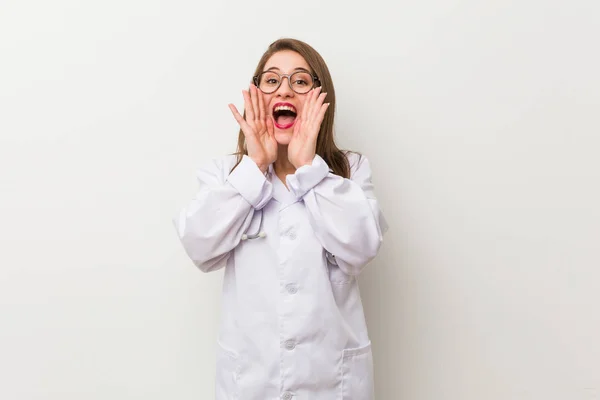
286	126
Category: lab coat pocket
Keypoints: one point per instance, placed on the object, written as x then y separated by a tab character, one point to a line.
357	374
227	374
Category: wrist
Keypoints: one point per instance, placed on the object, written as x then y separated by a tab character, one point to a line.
260	164
301	163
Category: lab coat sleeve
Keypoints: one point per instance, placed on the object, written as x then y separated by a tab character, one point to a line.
344	213
213	223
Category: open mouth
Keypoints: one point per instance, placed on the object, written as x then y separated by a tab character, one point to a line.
284	115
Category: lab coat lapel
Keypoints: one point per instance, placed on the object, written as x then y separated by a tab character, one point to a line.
280	193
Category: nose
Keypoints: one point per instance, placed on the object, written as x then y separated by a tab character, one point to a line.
284	90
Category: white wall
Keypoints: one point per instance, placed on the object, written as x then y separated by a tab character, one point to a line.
481	120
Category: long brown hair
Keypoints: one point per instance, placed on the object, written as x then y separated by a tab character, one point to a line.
326	147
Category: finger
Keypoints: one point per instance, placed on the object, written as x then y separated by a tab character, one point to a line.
236	114
306	107
261	105
316	110
248	105
317	92
238	117
297	128
270	126
254	97
314	101
321	114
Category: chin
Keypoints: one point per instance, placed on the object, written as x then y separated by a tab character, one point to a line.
283	137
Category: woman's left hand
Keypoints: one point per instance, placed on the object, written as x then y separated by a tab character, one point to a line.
303	144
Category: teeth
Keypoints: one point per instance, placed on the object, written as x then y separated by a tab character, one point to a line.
285	108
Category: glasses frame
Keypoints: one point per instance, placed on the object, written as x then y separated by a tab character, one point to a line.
288	76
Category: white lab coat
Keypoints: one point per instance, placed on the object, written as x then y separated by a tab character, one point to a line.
292	323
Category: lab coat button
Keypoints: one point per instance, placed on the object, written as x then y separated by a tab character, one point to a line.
290	345
291	288
286	396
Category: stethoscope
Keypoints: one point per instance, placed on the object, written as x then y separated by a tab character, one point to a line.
259	233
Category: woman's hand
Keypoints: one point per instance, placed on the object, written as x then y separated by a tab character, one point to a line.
303	144
257	128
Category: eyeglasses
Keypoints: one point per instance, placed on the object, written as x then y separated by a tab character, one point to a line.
300	82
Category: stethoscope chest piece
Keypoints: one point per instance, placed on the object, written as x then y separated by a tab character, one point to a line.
259	233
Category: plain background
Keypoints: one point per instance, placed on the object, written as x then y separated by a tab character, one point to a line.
481	121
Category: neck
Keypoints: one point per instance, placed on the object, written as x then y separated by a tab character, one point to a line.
282	165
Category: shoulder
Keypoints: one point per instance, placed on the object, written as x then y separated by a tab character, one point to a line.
218	167
225	162
358	162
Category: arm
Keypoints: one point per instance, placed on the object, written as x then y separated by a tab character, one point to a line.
344	213
214	221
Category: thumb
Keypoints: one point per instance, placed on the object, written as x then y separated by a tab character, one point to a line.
297	127
270	128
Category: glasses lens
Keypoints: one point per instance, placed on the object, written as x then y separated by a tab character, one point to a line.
301	82
268	81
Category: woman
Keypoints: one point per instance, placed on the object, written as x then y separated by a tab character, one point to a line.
293	220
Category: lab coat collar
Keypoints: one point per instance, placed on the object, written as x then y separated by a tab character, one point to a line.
280	192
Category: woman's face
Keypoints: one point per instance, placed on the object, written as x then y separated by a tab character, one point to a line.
284	104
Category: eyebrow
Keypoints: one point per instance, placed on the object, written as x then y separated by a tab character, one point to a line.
295	70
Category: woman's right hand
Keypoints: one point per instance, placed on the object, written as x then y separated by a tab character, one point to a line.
257	128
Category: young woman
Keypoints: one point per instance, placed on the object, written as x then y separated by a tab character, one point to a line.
293	220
